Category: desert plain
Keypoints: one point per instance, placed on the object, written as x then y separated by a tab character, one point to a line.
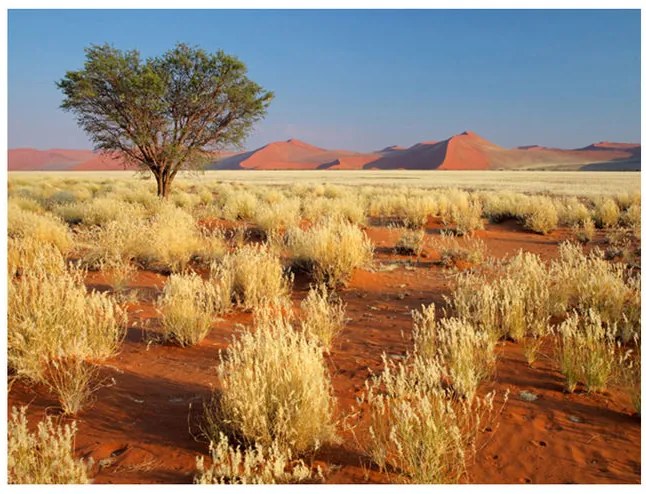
510	258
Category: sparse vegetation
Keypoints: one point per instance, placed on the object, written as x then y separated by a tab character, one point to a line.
322	315
253	275
331	251
465	354
415	428
587	352
275	388
187	306
218	247
411	242
254	465
45	456
540	215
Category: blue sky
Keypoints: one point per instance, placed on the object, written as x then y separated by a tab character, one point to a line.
364	79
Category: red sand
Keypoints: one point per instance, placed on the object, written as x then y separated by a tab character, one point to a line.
139	430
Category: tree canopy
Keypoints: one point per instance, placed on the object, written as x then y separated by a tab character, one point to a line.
164	113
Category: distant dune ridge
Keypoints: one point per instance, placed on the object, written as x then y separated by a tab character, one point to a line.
466	151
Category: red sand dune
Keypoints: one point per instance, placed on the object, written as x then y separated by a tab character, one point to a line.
293	155
60	159
466	151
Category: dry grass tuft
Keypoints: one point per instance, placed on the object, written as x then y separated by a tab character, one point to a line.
466	355
253	275
331	250
275	388
254	465
43	457
540	216
453	249
323	316
54	321
587	352
411	242
187	306
415	428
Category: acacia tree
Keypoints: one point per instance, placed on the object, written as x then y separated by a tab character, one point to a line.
166	113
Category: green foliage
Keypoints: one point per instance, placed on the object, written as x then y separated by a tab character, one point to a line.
163	113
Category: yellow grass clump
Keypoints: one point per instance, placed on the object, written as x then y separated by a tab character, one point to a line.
45	456
322	316
187	306
416	429
253	465
331	250
587	352
411	242
465	353
540	216
606	213
27	254
253	275
461	211
40	227
52	317
451	249
611	289
506	299
275	388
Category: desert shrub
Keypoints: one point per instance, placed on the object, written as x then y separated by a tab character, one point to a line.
510	299
43	457
415	428
504	205
466	354
187	305
254	275
239	205
212	246
111	245
540	215
462	211
626	199
452	250
631	373
169	239
27	254
52	315
273	217
254	465
632	217
606	213
413	212
411	242
72	380
589	282
587	351
275	389
346	209
585	231
331	250
571	212
322	316
26	204
40	227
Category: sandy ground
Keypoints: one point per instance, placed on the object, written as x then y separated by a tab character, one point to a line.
142	426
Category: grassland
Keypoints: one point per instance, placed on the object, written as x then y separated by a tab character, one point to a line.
554	182
341	327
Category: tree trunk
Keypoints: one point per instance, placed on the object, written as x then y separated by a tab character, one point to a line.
163	184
